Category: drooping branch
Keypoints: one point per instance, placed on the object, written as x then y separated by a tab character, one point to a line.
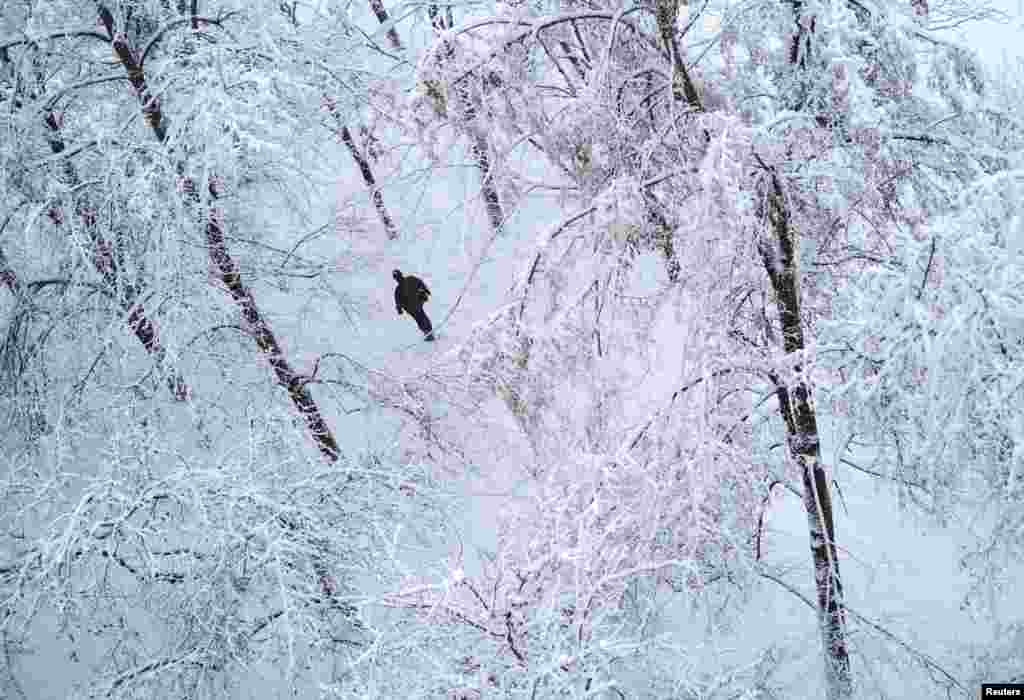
535	28
76	34
524	285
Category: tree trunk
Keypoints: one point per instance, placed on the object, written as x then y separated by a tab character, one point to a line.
371	182
225	265
779	254
479	145
382	16
481	153
666	12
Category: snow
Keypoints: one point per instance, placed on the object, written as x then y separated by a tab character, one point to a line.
497	519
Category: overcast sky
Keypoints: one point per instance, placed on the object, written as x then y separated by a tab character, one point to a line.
992	41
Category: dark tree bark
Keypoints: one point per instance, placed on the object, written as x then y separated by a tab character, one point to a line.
478	143
345	135
683	90
227	269
298	391
371	182
382	16
779	254
481	153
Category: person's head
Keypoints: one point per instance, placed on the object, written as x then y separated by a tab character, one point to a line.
397	274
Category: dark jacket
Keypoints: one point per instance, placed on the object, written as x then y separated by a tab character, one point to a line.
410	293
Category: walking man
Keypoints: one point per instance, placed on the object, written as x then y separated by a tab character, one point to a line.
410	295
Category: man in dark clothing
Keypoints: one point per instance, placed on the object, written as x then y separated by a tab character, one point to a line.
410	294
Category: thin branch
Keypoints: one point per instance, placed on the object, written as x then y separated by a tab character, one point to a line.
511	641
194	21
52	102
566	223
371	183
583	44
533	28
144	670
927	270
880	475
73	34
558	65
922	658
760	520
682	390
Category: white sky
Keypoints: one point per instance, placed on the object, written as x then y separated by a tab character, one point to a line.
993	41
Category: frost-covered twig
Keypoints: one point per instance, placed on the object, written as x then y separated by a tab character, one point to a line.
924	659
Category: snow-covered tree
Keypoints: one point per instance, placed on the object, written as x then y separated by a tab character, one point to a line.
178	510
742	221
766	154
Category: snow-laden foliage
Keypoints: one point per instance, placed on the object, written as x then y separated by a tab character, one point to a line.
172	543
931	367
646	331
758	209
